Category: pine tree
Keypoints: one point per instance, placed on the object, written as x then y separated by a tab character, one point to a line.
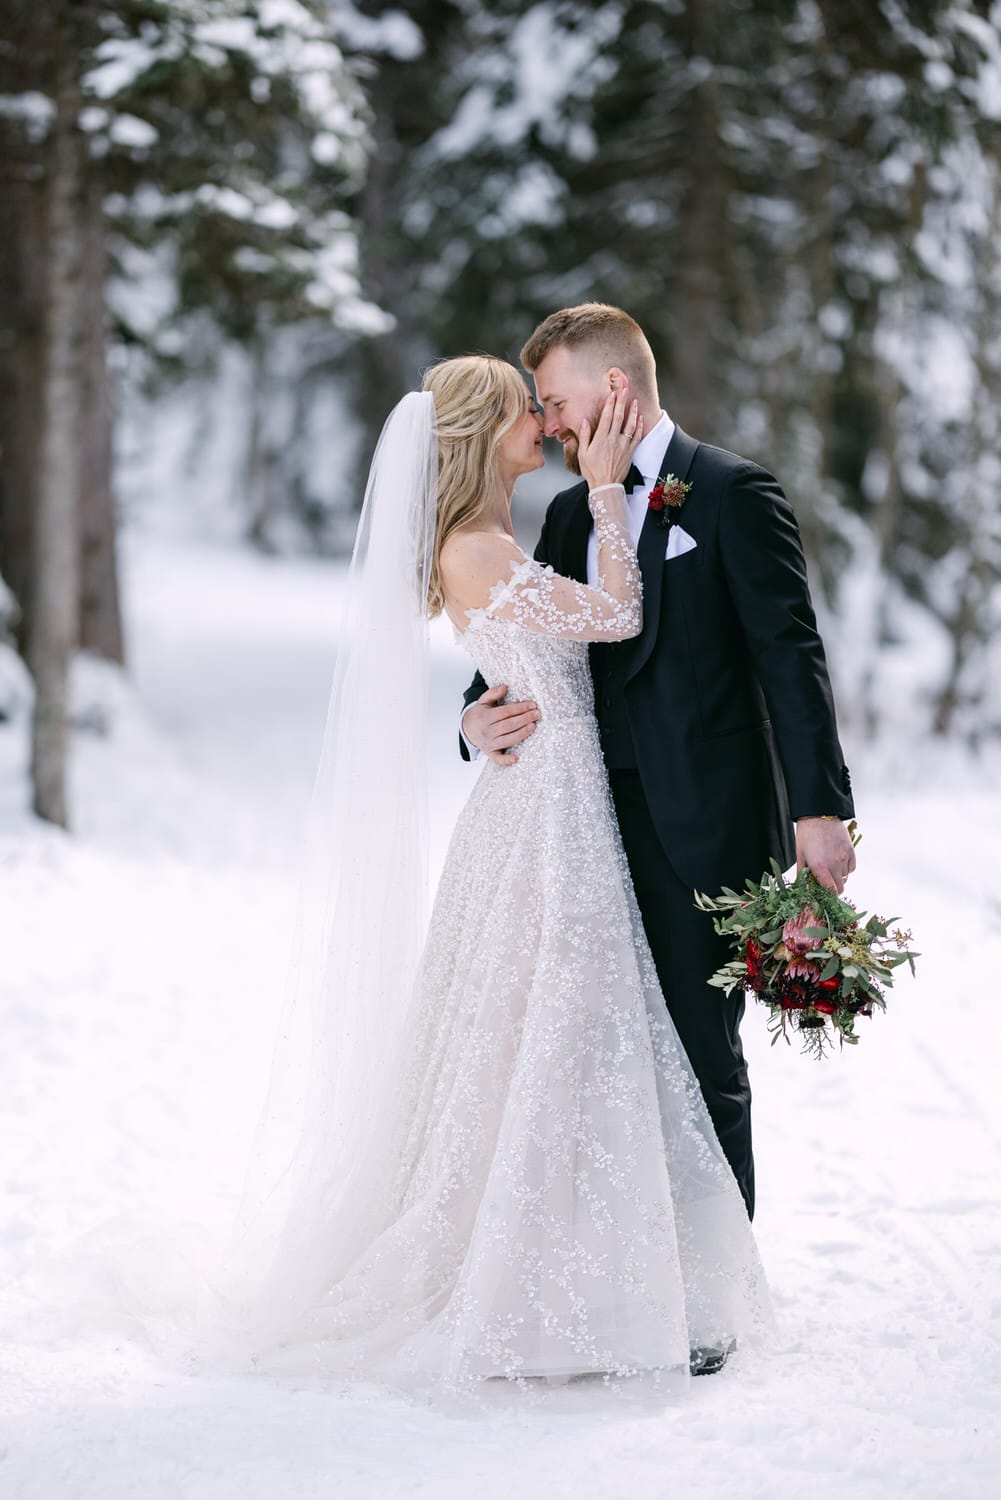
226	136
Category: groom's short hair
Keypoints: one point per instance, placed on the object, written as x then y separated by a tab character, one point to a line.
614	337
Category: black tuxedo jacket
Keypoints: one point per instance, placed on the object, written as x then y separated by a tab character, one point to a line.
727	692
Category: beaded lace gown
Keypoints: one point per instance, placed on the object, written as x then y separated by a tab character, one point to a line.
561	1204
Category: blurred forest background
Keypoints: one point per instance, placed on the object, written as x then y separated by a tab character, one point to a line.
232	232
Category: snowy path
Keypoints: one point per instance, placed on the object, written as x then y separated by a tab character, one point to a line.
141	967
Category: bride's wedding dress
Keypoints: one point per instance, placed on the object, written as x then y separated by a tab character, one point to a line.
560	1204
502	1167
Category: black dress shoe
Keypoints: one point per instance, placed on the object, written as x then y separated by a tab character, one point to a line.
710	1361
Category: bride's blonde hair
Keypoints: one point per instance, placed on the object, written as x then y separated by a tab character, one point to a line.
477	399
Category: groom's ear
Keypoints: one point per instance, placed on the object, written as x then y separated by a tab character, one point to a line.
618	380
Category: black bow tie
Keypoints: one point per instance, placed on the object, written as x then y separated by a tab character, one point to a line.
634	480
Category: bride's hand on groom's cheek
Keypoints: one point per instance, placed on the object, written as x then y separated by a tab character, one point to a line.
605	455
494	727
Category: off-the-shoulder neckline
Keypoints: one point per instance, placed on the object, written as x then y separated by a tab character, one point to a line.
522	566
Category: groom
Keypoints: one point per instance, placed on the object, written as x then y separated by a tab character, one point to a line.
717	721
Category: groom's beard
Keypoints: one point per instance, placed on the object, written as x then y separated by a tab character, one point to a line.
571	445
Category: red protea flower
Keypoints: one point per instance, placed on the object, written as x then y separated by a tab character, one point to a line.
792	932
792	992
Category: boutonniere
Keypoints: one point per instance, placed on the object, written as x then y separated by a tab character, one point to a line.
667	497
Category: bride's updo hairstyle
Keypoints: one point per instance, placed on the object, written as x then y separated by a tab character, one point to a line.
477	399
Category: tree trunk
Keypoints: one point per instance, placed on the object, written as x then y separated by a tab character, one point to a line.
55	620
971	625
259	479
22	372
886	526
698	273
100	612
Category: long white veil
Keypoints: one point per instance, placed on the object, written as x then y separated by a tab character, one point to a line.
316	1182
315	1191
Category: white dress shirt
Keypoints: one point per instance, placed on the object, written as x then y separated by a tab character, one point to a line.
649	453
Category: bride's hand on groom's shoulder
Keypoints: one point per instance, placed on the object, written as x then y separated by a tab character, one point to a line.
825	847
494	726
605	455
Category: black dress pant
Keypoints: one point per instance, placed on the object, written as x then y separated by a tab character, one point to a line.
686	951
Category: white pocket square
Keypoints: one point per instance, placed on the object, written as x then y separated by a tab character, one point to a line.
678	542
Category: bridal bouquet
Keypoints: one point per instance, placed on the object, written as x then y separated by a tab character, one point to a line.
808	955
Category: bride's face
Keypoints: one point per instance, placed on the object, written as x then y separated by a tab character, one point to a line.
520	449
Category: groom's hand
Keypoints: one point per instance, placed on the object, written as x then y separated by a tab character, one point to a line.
825	848
493	726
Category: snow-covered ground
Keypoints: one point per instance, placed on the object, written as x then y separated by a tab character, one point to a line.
142	966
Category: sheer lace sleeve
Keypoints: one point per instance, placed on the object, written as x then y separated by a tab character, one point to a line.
539	599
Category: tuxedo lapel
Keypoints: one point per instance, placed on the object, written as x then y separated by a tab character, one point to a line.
651	547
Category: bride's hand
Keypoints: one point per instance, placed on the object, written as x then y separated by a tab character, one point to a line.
605	455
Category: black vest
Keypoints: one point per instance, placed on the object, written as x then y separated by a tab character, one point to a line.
609	660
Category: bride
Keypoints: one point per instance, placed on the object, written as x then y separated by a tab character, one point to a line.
485	1153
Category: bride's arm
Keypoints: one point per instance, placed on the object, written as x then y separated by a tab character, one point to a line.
488	574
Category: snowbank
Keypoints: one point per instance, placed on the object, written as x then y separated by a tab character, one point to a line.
142	970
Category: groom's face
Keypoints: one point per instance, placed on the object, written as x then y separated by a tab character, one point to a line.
571	388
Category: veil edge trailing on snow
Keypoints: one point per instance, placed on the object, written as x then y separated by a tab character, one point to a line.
317	1186
317	1181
